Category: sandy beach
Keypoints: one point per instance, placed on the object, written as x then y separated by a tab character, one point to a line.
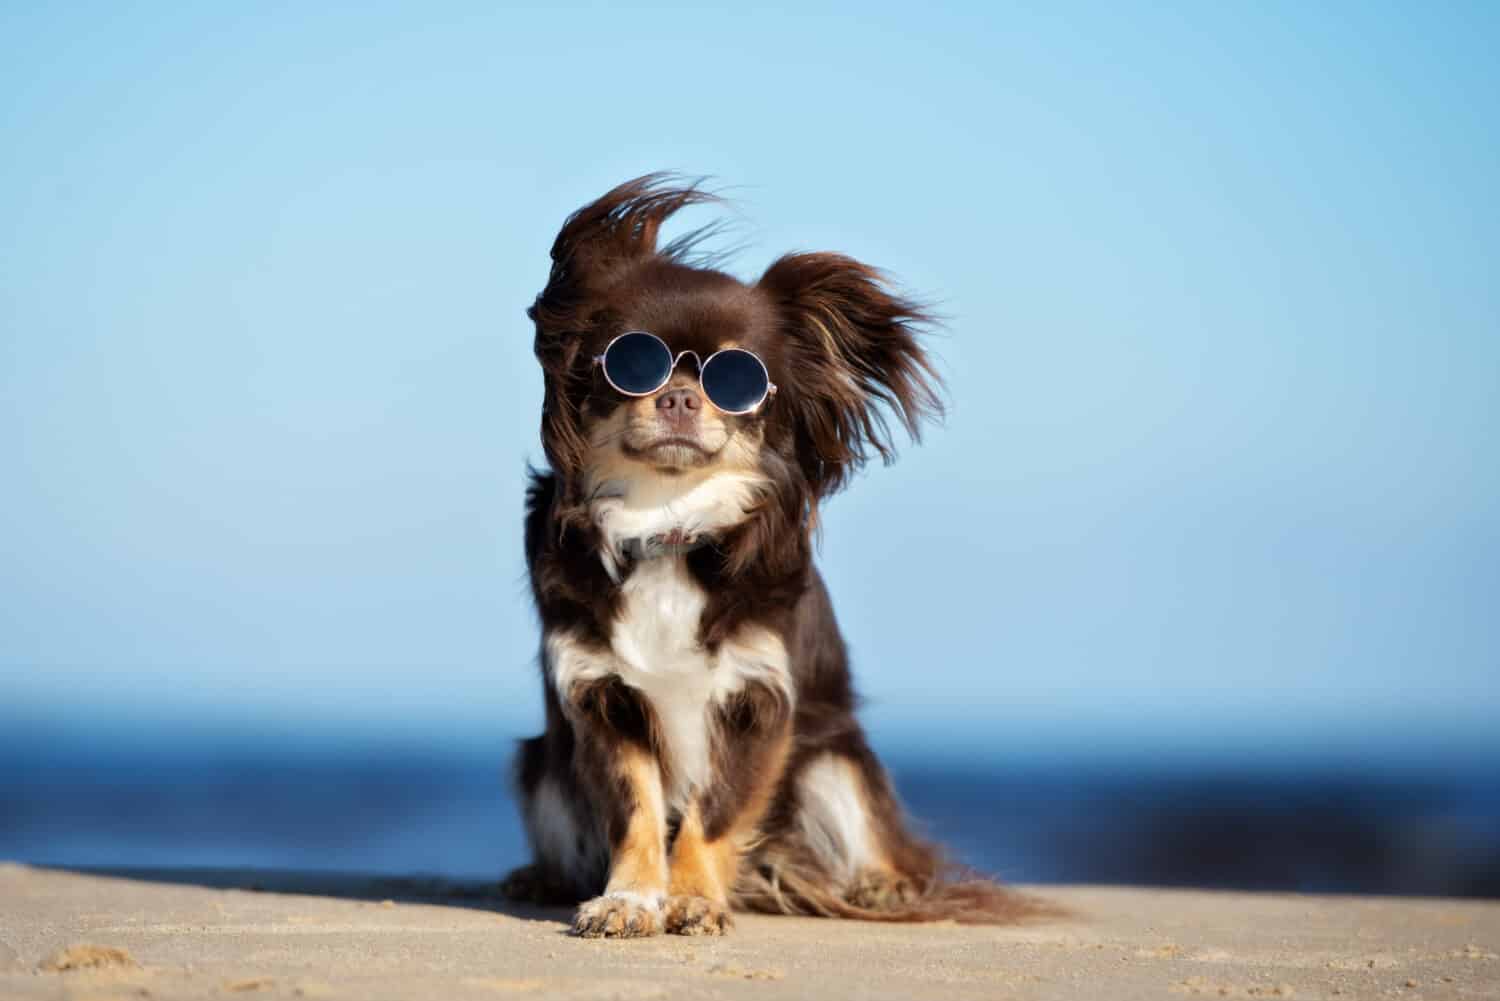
219	934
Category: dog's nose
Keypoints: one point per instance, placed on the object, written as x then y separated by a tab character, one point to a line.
678	403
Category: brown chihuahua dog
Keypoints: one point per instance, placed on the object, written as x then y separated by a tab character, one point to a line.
701	750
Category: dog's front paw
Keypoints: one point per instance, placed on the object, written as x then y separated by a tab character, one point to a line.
687	915
618	915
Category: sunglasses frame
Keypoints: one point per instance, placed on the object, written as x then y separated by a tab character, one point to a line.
677	360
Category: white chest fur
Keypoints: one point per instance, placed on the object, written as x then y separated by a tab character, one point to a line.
654	649
655	639
635	507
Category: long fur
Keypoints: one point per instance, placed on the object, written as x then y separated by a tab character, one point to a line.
701	749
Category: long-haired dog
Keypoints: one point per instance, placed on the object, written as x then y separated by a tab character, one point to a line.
701	750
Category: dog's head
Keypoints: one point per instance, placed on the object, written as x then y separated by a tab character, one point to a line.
840	346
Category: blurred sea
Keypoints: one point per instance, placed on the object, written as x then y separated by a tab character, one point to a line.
392	810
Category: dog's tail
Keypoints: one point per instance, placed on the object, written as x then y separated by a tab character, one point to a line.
785	876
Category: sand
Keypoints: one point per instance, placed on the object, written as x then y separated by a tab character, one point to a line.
216	935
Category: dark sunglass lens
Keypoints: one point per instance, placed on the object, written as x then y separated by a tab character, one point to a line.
637	363
735	380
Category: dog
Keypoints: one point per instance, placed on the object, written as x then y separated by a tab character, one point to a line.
701	752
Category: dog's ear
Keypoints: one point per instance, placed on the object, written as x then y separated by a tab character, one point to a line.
854	363
600	241
596	247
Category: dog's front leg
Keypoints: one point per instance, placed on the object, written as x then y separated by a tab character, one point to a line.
752	737
616	764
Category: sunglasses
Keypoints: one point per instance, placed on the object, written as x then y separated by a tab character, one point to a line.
638	364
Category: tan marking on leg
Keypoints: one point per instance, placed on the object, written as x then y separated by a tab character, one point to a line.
632	900
703	872
639	862
701	867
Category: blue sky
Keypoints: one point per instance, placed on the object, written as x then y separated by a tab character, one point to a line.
1221	469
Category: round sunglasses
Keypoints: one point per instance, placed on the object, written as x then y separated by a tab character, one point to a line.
638	363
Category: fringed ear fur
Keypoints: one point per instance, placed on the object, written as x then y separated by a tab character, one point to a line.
601	239
853	342
596	246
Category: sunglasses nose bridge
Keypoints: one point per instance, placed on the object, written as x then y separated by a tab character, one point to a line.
697	361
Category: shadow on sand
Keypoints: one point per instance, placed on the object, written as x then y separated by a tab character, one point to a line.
476	895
